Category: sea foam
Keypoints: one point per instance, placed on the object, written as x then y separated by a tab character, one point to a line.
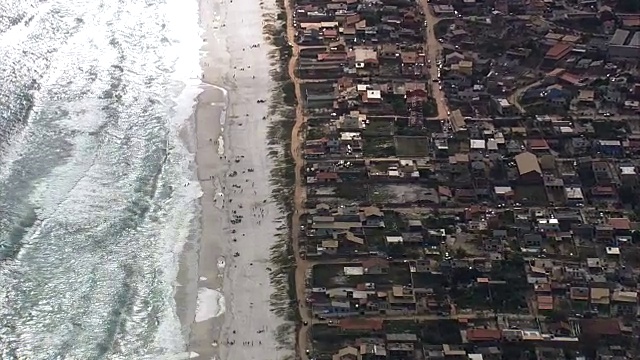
211	304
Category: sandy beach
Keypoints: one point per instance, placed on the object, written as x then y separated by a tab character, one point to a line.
231	317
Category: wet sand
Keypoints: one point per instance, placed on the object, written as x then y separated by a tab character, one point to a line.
223	302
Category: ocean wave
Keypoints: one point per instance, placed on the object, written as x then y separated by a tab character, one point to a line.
96	183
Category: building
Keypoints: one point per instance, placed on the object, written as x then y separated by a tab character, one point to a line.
483	335
504	107
457	121
624	44
558	51
443	10
364	56
529	170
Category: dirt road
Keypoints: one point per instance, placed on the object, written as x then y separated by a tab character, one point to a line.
433	50
299	191
515	97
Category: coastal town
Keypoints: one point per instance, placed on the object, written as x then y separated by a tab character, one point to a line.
466	179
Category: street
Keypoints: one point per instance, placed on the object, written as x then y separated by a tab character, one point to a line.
433	50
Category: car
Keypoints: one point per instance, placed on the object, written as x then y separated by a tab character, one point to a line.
436	80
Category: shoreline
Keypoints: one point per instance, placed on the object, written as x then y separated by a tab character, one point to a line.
224	303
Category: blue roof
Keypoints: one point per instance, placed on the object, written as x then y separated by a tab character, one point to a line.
556	93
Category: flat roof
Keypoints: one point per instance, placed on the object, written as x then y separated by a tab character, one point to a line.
442	8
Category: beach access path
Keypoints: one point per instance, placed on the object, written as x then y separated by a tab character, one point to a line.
299	197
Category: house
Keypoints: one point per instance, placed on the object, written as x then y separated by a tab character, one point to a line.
504	107
326	177
483	335
557	97
579	293
464	67
601	329
329	308
401	298
537	145
365	57
558	52
443	10
528	168
371	216
600	296
401	337
628	174
453	58
360	324
532	241
347	353
375	266
400	350
573	195
624	303
610	147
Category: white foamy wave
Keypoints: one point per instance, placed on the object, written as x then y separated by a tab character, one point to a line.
210	304
112	183
187	71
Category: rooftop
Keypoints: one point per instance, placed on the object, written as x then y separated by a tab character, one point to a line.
527	163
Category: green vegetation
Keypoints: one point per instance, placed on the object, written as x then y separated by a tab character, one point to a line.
430	108
379	147
282	177
351	191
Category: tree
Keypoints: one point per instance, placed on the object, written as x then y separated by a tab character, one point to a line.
429	109
399	105
629	5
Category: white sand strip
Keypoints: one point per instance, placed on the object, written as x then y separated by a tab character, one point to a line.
238	218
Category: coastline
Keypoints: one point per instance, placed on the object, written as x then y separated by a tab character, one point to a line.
224	303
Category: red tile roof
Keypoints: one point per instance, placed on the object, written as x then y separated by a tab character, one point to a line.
558	51
545	302
600	327
572	79
538	144
360	324
483	334
620	223
327	176
330	33
371	262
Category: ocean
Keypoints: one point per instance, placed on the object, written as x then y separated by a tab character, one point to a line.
97	189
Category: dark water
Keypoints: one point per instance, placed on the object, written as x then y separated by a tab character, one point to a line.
93	202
